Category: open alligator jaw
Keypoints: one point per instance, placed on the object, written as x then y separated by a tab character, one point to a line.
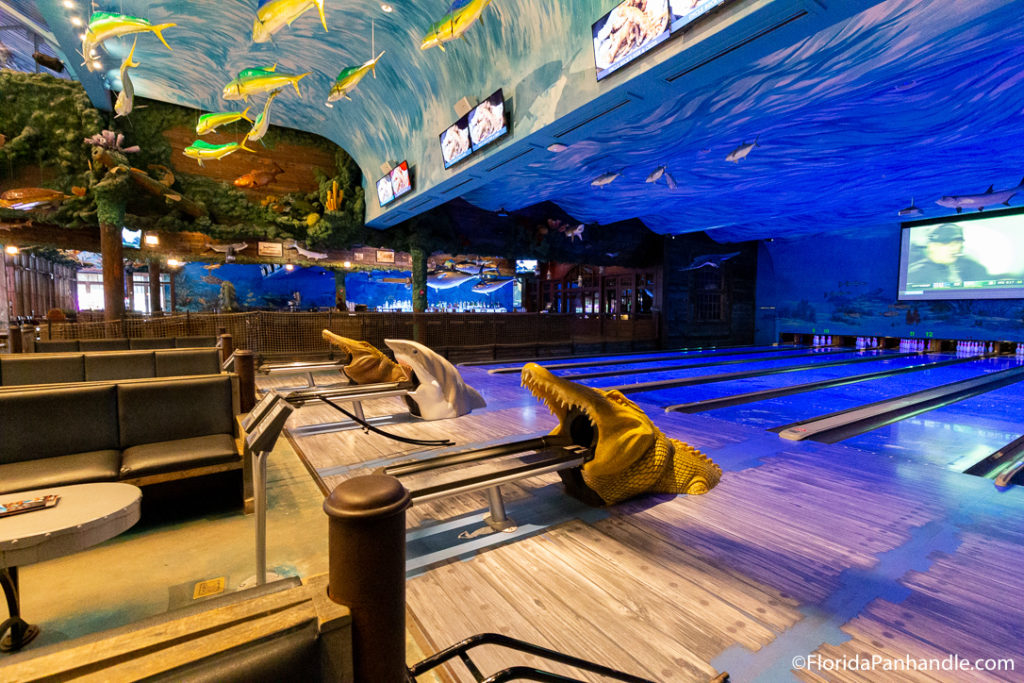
631	455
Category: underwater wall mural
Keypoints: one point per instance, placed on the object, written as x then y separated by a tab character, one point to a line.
831	131
810	299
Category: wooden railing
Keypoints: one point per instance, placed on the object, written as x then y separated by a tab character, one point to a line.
461	336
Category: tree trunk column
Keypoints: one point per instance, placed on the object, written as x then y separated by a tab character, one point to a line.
155	306
113	271
340	298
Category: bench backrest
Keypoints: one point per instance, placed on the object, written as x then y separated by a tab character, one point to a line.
124	344
52	422
53	368
149	412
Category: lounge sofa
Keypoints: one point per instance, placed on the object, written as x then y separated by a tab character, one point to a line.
51	368
137	431
122	344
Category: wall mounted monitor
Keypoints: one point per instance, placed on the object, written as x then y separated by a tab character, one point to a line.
385	193
455	144
685	12
131	238
401	182
487	121
963	257
526	265
628	31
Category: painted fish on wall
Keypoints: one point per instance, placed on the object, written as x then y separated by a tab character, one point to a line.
126	98
258	80
105	25
273	15
461	15
258	177
349	78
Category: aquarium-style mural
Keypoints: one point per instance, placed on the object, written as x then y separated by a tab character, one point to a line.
201	287
809	298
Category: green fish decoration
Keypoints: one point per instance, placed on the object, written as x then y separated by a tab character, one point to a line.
273	15
105	25
210	122
201	150
260	80
262	122
126	98
349	78
461	15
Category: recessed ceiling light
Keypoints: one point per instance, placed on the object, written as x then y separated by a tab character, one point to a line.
289	267
97	64
69	4
11	249
386	7
81	36
173	262
152	240
557	147
347	264
75	21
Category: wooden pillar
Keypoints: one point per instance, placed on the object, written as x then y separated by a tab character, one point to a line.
245	367
419	293
339	289
113	271
155	306
174	293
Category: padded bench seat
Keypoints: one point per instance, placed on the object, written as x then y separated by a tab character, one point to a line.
168	456
62	470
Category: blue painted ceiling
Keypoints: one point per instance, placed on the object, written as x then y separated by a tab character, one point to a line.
856	106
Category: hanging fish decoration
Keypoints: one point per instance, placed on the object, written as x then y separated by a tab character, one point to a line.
273	15
126	98
349	78
260	80
491	285
262	122
201	150
105	25
312	255
211	122
452	25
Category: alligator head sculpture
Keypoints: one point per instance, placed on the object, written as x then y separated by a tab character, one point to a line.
440	391
367	364
631	456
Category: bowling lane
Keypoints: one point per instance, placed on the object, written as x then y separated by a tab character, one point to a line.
767	362
648	367
786	409
626	358
954	436
702	392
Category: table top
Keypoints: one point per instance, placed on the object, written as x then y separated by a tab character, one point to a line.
86	514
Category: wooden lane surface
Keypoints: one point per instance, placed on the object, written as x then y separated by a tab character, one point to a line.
966	603
665	584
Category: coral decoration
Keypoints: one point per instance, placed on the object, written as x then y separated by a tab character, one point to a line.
334	197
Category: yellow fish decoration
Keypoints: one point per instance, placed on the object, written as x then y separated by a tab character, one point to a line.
461	15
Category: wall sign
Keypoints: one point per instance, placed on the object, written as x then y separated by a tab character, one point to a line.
271	249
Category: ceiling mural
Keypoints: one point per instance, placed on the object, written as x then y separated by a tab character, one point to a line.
834	131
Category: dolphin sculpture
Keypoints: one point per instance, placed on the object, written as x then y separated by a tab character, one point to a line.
440	390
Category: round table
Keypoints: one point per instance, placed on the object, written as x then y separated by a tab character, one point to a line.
86	514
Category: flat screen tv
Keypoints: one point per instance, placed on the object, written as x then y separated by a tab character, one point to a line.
487	121
131	238
455	144
628	31
385	193
400	180
526	265
685	12
963	257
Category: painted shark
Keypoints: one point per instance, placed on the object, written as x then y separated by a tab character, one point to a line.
631	455
440	390
742	151
367	365
448	279
979	201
